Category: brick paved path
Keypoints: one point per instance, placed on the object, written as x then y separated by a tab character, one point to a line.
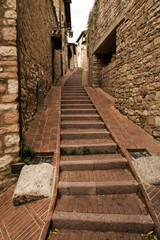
99	197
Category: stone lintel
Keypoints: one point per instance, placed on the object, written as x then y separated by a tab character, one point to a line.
107	42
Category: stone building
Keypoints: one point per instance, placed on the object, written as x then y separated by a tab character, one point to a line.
64	19
72	55
82	58
124	57
33	45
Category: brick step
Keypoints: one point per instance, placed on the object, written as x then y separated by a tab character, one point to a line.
72	87
92	157
74	94
129	204
97	188
83	124
102	222
93	164
78	111
85	134
76	101
73	91
77	106
90	235
88	146
75	98
73	117
103	176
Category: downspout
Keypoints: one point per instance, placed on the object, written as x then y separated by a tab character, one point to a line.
60	13
19	85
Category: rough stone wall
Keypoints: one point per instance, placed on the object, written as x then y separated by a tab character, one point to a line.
9	117
37	20
132	74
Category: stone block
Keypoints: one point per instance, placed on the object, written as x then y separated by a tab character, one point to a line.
8	75
11	139
10	14
7	107
11	4
35	182
8	51
9	33
5	161
9	98
148	169
12	86
13	149
157	120
2	88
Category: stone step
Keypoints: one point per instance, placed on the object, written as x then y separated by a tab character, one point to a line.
73	117
76	101
107	204
90	235
85	134
73	91
75	98
102	222
74	94
93	164
79	111
82	124
88	146
97	188
107	176
77	106
91	157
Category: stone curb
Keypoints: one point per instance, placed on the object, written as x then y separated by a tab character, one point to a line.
92	164
102	222
97	188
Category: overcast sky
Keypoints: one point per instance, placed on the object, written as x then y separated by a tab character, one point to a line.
79	16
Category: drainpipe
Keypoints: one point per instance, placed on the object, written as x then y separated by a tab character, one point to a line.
60	13
19	86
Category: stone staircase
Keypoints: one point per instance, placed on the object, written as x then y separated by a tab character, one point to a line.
98	195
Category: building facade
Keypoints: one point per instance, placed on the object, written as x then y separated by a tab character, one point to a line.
32	54
124	57
72	55
82	59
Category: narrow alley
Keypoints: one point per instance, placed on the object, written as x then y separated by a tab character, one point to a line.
80	120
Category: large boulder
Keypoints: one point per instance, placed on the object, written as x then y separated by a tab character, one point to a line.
35	182
148	169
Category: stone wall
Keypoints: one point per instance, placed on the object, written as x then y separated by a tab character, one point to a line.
130	74
37	20
9	116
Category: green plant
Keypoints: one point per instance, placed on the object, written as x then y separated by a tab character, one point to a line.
28	154
73	152
98	152
63	151
27	161
86	150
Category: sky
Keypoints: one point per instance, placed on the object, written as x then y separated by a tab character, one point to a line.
79	16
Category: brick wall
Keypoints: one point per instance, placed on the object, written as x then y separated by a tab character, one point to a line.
9	116
37	20
131	74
